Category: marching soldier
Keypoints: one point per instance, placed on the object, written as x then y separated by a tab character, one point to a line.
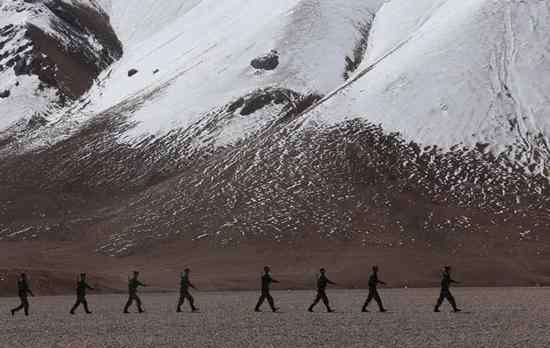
24	291
133	285
185	284
322	283
445	294
81	287
373	290
266	284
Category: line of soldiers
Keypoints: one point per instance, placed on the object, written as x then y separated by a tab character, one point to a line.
266	280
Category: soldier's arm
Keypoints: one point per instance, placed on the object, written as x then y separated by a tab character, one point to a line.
89	287
30	292
275	280
331	282
142	284
193	286
381	282
454	281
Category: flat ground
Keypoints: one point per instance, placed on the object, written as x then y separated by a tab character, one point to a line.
503	317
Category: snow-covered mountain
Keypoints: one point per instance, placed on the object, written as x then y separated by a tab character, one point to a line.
388	123
440	72
50	54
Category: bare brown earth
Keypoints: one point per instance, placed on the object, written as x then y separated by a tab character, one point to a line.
53	266
510	317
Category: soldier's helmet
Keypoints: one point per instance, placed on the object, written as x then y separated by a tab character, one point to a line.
322	270
447	268
136	273
375	268
267	269
82	275
187	270
23	275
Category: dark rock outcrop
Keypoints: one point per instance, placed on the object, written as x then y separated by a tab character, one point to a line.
268	62
78	45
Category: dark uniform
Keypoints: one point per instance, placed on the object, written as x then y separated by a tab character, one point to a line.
373	292
185	284
24	291
266	284
322	283
445	294
81	287
133	285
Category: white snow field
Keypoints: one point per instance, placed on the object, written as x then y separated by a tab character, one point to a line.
453	72
203	50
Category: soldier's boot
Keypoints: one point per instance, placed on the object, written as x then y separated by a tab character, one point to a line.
193	307
86	309
381	306
455	308
272	304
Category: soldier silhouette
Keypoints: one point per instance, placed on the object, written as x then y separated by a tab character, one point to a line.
373	290
185	284
133	285
266	283
322	282
81	287
445	294
24	291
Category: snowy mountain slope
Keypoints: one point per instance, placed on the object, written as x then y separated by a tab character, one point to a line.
50	53
452	73
203	50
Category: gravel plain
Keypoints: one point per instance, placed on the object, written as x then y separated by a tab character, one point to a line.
494	317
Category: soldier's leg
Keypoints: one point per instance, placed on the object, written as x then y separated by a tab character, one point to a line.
324	297
181	301
21	305
367	302
439	301
317	299
379	301
85	304
138	301
271	302
26	305
452	301
18	308
128	303
191	301
75	306
260	301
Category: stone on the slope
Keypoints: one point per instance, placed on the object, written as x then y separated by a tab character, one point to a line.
268	62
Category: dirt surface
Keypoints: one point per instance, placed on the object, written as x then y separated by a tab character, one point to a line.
53	266
505	317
